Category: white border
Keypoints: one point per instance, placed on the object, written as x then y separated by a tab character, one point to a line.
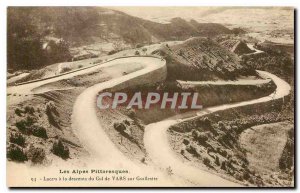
5	3
149	3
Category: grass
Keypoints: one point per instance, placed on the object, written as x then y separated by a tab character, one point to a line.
265	144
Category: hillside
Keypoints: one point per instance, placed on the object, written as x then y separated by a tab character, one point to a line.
236	43
236	46
202	59
94	24
32	28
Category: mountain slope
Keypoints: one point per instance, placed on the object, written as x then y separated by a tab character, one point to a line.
236	46
31	29
82	25
202	59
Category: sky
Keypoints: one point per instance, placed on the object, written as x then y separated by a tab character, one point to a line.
241	16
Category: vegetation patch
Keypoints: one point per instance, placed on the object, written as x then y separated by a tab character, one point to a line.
16	153
61	150
212	140
36	155
17	138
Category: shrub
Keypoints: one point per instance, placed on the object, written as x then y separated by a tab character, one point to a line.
207	122
24	125
223	153
80	66
15	153
65	69
259	182
192	150
223	165
120	127
206	161
17	138
202	138
28	127
18	112
60	149
131	114
246	174
30	120
29	110
144	50
169	171
186	142
112	52
217	161
210	149
195	134
238	177
126	122
251	180
182	152
50	106
37	155
220	63
39	131
221	125
51	113
229	164
137	53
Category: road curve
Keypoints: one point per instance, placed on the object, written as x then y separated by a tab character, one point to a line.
84	117
27	87
237	82
96	141
251	46
158	147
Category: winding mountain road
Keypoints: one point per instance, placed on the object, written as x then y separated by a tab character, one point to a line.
84	116
251	46
93	137
156	141
158	146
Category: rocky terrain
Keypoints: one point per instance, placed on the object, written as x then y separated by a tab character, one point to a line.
43	120
202	59
205	145
212	142
236	46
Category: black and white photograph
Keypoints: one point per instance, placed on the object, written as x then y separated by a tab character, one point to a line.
150	96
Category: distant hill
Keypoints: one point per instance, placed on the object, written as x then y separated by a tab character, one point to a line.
82	25
236	46
31	28
202	59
